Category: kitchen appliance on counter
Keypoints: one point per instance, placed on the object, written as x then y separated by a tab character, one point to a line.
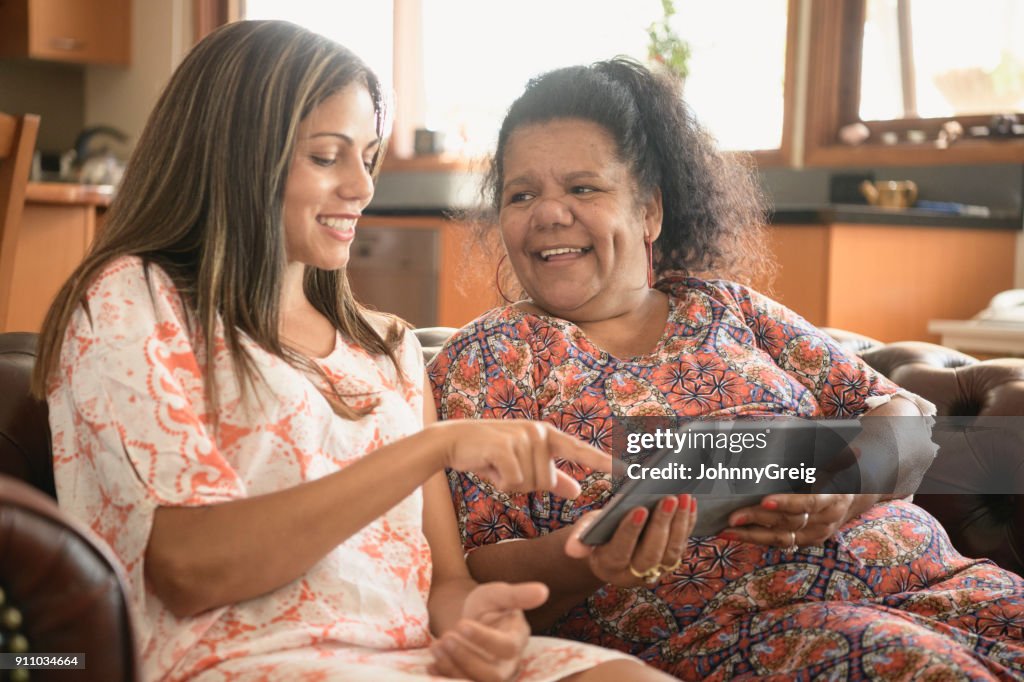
424	192
99	164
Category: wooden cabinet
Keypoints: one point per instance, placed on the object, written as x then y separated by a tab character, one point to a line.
80	31
465	286
888	281
58	225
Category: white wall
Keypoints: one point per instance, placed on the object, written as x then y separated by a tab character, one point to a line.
161	35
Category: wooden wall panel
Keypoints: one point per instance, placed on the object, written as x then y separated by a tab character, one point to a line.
467	277
889	281
466	271
801	284
52	243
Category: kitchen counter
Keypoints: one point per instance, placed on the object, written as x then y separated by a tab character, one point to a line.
871	215
69	193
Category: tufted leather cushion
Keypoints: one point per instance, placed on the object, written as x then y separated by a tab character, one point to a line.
992	525
67	588
851	341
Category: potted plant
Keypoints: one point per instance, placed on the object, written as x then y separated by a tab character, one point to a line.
664	45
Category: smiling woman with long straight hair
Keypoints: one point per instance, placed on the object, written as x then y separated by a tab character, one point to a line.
255	447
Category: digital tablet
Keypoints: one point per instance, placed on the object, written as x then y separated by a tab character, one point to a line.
782	455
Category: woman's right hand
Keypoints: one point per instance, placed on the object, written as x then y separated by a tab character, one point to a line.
645	546
517	455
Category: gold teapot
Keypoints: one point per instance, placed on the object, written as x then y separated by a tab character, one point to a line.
890	193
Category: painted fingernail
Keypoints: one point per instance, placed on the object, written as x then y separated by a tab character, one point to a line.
740	520
684	501
639	516
728	535
770	504
693	504
668	505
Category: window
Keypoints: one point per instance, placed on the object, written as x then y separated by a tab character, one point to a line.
939	58
363	27
471	58
478	56
907	69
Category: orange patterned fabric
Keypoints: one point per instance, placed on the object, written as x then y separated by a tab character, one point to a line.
132	432
889	598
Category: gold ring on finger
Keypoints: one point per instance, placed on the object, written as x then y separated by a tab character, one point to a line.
673	567
792	544
651	576
803	524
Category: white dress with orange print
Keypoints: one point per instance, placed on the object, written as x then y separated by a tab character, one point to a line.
131	432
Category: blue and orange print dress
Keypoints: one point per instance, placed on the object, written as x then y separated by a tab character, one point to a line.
888	598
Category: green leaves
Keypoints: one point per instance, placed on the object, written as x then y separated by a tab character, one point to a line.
665	47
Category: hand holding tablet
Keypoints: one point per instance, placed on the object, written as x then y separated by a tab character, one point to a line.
646	545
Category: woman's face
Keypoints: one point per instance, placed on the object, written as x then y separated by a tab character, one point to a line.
572	221
329	181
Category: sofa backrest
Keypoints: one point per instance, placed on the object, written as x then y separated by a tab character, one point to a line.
24	427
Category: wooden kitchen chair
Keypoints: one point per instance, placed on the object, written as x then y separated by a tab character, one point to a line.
17	143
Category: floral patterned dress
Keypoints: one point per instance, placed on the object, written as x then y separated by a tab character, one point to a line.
888	598
131	432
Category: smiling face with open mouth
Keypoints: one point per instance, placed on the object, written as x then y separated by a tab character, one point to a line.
572	220
329	182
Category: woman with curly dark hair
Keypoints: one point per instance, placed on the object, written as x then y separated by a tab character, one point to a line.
618	216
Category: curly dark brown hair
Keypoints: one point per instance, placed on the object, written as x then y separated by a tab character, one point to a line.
714	208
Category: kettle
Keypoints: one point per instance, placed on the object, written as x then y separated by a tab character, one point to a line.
890	193
98	166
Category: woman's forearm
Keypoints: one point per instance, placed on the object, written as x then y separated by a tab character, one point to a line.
903	436
447	598
543	559
200	558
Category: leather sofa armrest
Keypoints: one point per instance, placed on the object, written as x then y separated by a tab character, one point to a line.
979	525
62	587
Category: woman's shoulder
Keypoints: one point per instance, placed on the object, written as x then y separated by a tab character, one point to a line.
129	295
725	291
129	275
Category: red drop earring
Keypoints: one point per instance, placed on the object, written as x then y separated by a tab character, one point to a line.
650	263
497	278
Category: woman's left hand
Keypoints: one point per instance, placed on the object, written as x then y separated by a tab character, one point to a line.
488	641
794	520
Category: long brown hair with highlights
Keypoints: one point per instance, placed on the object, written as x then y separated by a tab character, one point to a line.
202	197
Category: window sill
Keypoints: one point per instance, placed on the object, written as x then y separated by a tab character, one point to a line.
961	152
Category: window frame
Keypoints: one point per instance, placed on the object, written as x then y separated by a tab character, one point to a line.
409	94
209	14
837	32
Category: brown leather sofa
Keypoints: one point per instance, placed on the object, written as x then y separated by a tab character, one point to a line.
69	595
